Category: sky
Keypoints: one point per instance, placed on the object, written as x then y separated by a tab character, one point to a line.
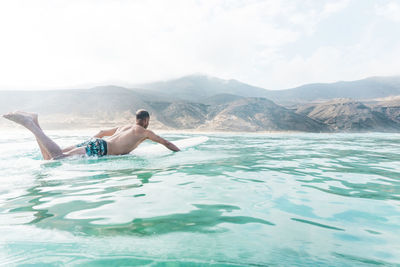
274	44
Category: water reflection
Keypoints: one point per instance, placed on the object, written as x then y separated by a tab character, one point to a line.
204	219
264	199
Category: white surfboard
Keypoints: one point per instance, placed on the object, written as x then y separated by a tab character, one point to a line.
158	149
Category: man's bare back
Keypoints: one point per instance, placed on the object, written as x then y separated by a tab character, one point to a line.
124	139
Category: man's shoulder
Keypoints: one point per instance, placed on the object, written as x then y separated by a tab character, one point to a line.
147	132
140	130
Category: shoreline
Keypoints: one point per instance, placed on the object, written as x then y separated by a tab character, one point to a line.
18	128
94	130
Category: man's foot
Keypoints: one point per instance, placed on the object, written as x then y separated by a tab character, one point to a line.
34	116
19	118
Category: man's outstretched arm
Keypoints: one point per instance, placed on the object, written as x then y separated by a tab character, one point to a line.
155	138
108	132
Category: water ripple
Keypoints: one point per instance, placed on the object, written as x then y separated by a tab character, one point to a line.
301	199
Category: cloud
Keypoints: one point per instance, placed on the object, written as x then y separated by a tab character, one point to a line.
390	10
72	42
56	44
331	7
337	63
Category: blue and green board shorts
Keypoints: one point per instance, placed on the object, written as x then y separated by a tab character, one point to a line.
95	147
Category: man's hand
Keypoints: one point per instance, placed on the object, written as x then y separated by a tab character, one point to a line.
155	138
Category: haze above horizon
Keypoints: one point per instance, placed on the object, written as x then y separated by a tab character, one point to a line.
269	44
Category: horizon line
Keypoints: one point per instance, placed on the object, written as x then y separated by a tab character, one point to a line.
128	85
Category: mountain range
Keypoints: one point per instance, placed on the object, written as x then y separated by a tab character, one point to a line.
202	102
200	87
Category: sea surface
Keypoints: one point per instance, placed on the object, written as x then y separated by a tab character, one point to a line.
237	199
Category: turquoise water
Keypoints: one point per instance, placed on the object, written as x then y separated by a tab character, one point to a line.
273	199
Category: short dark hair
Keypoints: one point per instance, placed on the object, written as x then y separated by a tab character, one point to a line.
142	114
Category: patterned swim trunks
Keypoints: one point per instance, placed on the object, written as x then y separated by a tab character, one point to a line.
95	147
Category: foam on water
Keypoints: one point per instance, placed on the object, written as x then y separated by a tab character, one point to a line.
287	199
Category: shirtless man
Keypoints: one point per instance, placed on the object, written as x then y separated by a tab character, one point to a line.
119	141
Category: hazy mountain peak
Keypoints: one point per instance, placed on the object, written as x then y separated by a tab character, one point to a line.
109	88
368	88
197	87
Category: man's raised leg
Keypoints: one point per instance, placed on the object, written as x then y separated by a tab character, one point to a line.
53	150
68	151
45	153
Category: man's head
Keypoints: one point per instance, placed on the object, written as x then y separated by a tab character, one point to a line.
142	118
